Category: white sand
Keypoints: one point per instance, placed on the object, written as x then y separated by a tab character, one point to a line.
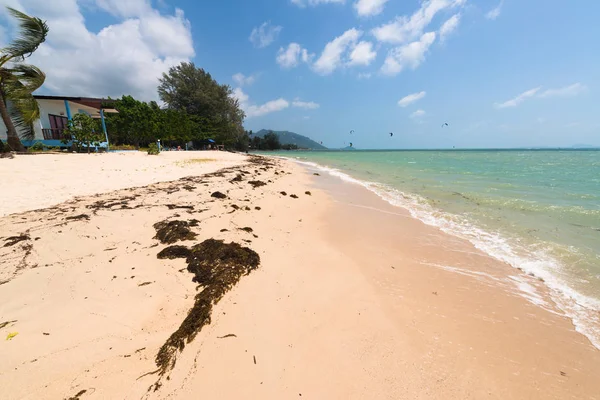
42	180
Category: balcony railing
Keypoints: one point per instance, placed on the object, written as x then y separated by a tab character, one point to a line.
53	134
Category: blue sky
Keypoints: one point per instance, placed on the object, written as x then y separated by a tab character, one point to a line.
501	73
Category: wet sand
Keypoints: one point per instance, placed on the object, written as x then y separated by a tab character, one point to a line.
353	298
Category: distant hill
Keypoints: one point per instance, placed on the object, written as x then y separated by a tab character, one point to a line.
286	137
348	148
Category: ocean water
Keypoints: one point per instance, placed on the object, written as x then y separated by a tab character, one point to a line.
536	210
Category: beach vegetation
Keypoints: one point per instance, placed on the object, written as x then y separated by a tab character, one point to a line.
83	130
37	146
153	149
18	80
213	108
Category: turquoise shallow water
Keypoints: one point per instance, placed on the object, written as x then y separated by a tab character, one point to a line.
537	210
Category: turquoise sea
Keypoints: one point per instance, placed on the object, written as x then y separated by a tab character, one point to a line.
537	210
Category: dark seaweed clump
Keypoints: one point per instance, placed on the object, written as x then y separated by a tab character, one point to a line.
256	184
238	178
293	196
11	241
217	267
175	206
218	195
308	193
172	252
283	193
78	395
78	217
246	229
172	231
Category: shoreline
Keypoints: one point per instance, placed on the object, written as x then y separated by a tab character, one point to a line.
353	298
582	309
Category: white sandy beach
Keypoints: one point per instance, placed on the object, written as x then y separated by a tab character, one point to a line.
41	180
353	298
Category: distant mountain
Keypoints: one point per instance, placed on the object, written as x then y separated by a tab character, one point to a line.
348	148
286	137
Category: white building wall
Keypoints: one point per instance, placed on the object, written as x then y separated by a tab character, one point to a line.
47	107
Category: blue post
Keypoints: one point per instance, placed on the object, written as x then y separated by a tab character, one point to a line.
104	128
68	109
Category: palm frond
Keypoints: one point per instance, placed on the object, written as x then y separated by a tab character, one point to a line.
32	33
30	76
24	111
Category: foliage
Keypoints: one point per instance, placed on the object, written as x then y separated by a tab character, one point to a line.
3	147
83	130
153	149
139	124
269	141
289	146
123	147
37	146
286	137
18	81
215	111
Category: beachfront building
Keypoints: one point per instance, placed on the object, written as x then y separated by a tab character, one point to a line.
55	112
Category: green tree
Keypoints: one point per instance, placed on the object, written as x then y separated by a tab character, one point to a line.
211	106
139	123
271	141
82	129
18	81
136	123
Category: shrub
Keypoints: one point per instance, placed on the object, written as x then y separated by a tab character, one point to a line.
153	149
37	146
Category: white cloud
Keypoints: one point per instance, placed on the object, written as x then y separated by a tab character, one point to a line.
331	57
449	26
567	91
267	108
125	9
362	54
410	55
411	98
307	105
519	99
313	3
243	80
364	75
368	8
418	114
495	13
253	110
264	35
292	56
404	29
126	57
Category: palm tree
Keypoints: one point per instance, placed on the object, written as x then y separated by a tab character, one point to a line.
18	81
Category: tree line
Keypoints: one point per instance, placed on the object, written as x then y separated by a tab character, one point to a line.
270	141
196	108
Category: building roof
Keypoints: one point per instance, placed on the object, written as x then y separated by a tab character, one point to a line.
94	102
